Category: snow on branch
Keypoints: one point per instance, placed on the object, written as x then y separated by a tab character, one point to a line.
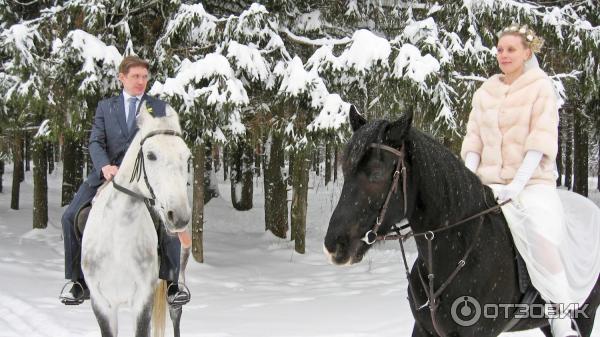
366	50
250	60
193	23
19	41
334	114
411	64
99	62
254	23
223	87
561	18
314	42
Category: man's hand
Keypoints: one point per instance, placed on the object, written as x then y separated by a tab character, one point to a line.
109	172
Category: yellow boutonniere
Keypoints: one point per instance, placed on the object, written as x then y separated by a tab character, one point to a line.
150	111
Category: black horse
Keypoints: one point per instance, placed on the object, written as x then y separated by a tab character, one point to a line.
457	260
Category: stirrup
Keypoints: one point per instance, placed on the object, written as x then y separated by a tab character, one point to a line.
72	300
177	301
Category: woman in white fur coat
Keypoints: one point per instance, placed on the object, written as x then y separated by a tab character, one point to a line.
511	144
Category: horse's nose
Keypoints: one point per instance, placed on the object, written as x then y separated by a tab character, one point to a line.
333	243
178	221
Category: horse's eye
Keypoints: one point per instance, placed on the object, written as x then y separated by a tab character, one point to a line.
151	156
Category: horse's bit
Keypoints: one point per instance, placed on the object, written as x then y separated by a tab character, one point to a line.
140	167
372	236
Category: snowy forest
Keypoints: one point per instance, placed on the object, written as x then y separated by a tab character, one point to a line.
263	89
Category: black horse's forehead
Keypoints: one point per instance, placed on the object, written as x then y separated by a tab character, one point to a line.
360	142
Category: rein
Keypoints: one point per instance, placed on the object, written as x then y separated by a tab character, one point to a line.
140	167
372	236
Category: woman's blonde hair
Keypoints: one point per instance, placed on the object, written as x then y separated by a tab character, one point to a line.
530	39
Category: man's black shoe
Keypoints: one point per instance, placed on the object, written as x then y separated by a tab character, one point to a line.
178	295
76	294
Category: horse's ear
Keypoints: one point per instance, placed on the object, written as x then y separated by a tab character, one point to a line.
398	130
143	116
173	117
169	111
356	119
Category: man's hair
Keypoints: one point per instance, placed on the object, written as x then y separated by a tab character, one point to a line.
132	61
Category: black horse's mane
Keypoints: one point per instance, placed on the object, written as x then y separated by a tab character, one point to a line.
446	184
447	190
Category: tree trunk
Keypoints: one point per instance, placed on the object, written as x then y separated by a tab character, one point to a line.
242	177
198	152
581	154
290	169
50	158
568	148
40	184
258	155
559	155
225	163
316	160
335	163
17	170
276	211
22	156
1	173
299	200
211	189
72	168
27	151
327	163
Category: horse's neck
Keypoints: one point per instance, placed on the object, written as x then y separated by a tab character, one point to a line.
127	166
118	202
446	191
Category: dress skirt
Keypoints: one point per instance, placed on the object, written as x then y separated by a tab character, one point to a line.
558	234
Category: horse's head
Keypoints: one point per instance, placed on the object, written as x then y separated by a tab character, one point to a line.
165	162
368	176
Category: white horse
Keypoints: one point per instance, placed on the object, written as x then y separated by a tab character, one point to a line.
119	247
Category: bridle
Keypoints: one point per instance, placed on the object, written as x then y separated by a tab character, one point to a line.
140	167
372	236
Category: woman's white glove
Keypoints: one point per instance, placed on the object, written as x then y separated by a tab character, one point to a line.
472	161
515	187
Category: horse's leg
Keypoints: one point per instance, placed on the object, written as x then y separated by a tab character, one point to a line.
547	331
143	318
185	255
175	313
107	319
418	331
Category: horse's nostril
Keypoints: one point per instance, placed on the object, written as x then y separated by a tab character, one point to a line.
170	216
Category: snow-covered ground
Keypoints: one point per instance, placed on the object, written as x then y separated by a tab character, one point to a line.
252	284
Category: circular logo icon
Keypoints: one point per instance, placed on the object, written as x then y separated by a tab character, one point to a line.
465	311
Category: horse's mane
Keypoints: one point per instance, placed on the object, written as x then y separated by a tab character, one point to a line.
446	184
446	187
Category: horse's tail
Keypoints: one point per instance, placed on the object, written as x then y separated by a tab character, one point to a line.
159	311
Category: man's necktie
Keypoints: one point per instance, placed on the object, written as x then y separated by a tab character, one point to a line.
131	114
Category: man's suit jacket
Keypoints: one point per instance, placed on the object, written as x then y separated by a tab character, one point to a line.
110	137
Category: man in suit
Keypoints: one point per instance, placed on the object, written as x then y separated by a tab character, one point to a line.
112	132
